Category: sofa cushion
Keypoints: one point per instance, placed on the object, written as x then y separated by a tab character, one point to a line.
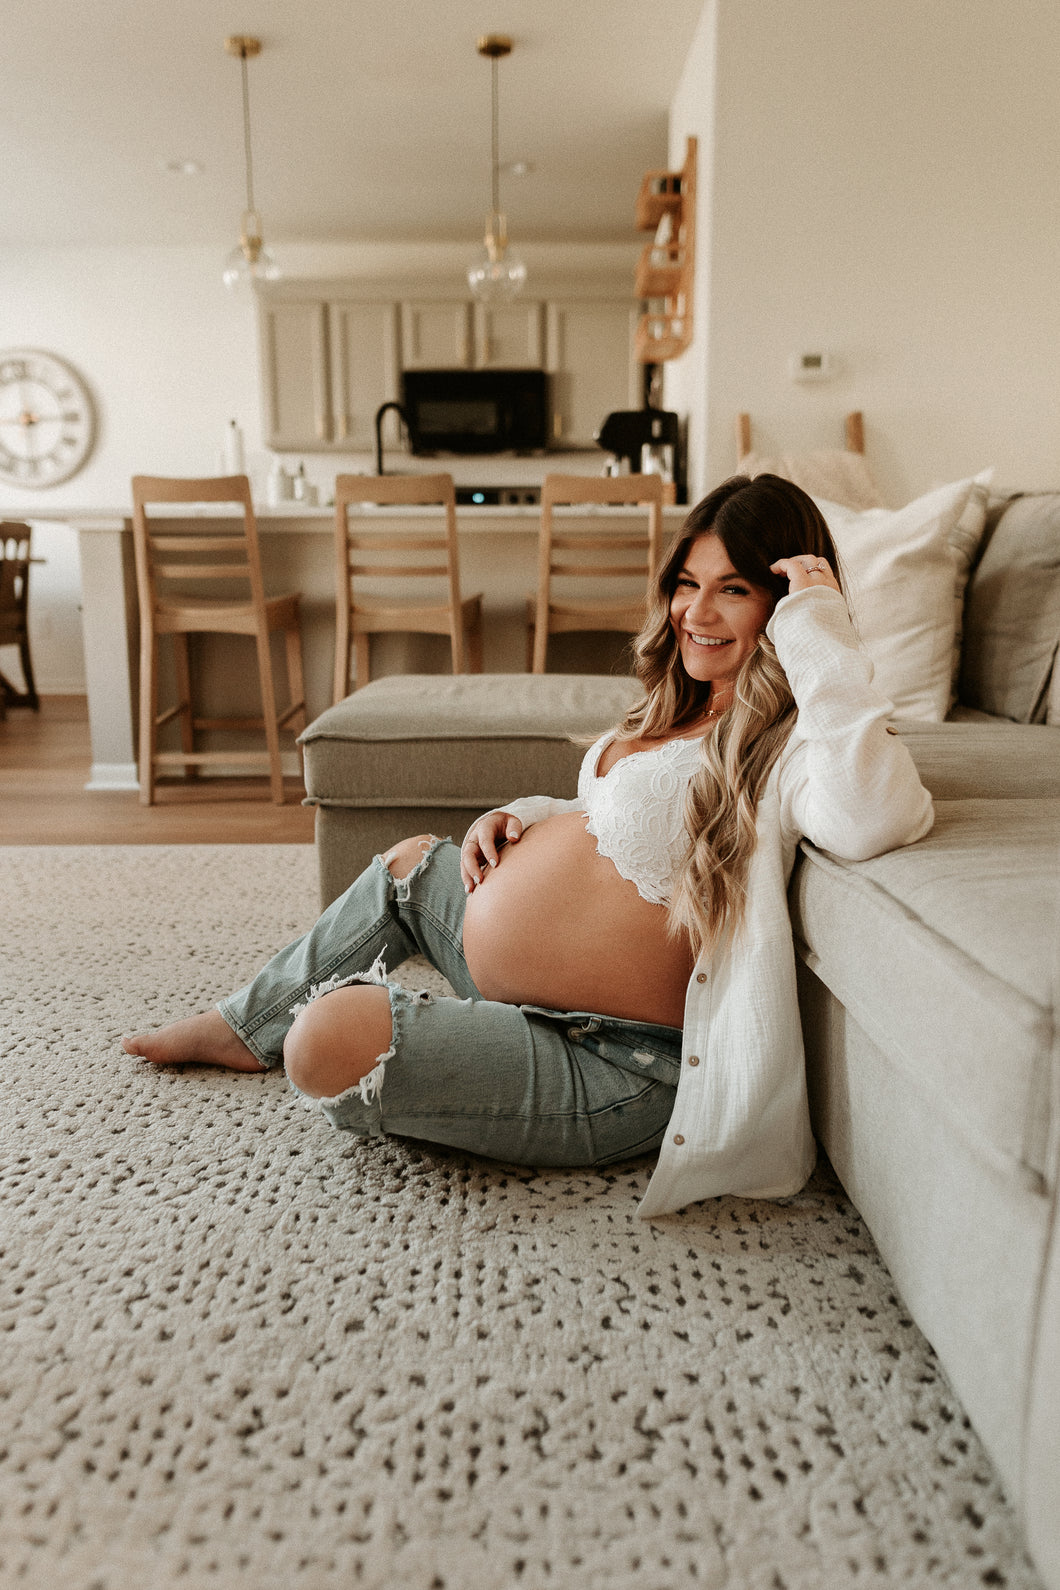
466	740
901	573
985	757
944	952
1012	611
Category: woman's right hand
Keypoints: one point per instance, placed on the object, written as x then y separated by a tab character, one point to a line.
482	844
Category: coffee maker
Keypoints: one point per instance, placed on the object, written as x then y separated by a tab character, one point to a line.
641	442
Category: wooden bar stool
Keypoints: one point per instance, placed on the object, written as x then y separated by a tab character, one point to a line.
15	559
195	580
638	541
365	548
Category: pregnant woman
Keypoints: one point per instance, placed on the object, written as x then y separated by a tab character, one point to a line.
622	962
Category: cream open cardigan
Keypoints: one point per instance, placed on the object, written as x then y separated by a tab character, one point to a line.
740	1122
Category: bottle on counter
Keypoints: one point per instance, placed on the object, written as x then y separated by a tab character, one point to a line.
301	485
279	489
234	456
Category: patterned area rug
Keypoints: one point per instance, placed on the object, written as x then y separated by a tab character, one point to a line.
239	1349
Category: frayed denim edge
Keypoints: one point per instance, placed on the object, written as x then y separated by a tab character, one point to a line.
368	1089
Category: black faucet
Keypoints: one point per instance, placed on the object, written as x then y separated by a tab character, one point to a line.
380	411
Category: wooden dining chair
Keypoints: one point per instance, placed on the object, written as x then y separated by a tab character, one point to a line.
15	559
375	579
206	579
576	549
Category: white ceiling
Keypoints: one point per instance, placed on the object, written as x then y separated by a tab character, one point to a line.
371	118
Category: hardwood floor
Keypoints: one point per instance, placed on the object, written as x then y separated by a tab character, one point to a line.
45	758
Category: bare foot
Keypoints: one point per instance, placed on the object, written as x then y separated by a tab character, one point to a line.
206	1039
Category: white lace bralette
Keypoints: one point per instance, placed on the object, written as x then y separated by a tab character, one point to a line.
636	811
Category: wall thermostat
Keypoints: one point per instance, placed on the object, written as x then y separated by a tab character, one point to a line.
811	366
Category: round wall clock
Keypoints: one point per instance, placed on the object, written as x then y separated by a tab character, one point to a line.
47	421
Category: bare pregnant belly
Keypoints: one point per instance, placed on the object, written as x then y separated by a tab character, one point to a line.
555	924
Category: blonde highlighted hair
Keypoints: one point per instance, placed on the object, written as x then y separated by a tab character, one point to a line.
757	521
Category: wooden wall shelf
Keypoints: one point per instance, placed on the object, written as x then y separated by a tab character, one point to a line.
666	205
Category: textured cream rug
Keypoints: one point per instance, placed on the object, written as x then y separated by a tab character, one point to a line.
238	1349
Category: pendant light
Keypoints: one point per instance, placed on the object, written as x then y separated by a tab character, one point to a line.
251	261
497	274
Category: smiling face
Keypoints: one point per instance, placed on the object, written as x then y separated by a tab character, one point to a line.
716	616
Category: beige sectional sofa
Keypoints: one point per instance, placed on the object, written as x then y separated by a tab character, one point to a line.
929	981
928	977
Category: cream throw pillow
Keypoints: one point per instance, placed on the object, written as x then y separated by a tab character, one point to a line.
901	574
836	475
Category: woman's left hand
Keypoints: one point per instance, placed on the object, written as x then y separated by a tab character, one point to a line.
805	573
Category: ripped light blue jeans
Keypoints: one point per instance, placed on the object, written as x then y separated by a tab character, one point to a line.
517	1083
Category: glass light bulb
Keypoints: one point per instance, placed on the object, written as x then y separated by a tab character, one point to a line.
244	267
495	277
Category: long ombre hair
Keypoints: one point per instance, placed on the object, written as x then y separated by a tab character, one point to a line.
757	521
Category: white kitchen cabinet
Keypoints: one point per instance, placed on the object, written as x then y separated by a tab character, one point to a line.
365	371
330	357
590	357
327	365
436	334
509	336
294	372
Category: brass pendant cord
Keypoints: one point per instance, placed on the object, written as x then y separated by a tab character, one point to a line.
495	140
246	130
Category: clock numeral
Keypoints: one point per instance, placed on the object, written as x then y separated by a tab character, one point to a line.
14	370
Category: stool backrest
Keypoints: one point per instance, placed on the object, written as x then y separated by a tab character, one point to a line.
365	544
174	557
583	547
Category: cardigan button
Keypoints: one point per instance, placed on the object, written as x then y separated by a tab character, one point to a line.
701	977
693	1059
678	1139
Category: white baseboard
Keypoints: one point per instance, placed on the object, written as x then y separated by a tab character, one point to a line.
113	775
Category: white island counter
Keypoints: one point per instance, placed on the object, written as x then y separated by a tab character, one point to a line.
498	556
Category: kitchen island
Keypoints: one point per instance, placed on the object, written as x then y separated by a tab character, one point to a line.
498	556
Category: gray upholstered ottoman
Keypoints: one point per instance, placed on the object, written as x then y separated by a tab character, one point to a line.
428	753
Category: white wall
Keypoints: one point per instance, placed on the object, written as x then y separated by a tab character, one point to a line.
686	380
883	184
170	356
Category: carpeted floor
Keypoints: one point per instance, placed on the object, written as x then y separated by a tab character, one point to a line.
241	1350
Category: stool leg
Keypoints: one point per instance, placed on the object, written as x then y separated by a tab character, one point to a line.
473	640
187	717
31	698
295	677
268	704
148	714
296	684
537	664
342	655
362	659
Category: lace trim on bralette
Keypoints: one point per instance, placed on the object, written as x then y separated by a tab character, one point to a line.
636	812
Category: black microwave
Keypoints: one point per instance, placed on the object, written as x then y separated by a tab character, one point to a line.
475	411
